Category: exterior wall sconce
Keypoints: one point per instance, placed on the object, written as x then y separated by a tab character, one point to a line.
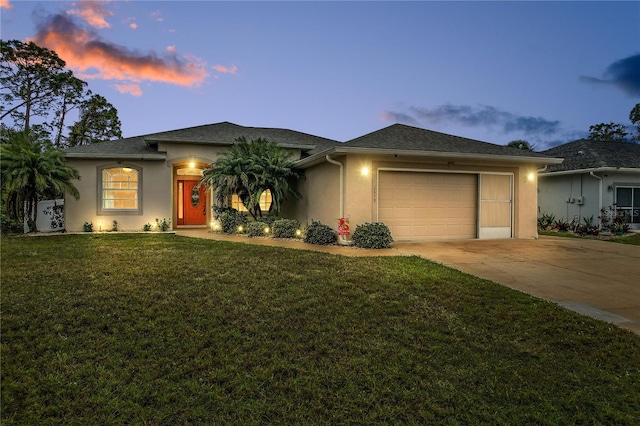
531	177
610	188
364	171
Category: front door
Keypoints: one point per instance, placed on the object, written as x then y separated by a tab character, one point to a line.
192	203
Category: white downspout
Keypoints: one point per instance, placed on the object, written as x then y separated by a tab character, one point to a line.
599	194
337	163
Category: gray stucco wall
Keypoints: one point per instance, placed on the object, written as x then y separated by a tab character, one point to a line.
569	195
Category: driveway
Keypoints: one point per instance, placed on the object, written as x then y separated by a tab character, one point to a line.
596	278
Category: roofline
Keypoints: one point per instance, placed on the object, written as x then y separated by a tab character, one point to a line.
194	142
320	156
597	169
115	156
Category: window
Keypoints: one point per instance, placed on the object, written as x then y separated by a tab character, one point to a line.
265	202
119	190
628	203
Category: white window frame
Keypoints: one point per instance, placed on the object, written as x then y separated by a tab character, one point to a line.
100	191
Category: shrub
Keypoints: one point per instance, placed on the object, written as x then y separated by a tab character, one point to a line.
374	235
546	221
269	220
256	229
231	219
87	227
146	227
10	226
561	225
163	225
320	234
285	228
114	226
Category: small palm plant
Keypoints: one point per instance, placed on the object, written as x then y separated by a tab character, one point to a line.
32	170
250	168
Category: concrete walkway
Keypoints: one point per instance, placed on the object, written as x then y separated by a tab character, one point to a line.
595	278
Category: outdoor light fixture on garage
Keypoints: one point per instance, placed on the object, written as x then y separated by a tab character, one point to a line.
364	171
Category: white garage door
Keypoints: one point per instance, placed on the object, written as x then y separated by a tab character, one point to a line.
428	206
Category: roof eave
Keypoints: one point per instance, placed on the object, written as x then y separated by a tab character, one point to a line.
594	170
319	157
110	156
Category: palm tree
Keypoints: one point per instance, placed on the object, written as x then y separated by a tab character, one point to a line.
250	168
32	171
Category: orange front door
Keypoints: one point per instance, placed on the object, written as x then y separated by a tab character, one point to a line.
192	203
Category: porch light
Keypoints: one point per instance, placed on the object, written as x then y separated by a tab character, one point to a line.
531	177
192	164
364	171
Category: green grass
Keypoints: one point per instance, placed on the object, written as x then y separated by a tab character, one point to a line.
161	329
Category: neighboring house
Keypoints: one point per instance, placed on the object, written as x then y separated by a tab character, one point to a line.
594	175
422	184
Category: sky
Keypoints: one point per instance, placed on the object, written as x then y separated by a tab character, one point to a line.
493	71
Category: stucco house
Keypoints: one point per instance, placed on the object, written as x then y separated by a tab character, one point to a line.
424	185
594	175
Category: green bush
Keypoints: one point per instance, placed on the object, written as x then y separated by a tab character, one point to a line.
10	226
285	228
87	227
320	234
374	235
269	220
546	221
256	229
230	220
146	227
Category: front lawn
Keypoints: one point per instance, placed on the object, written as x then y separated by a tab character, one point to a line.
161	329
632	239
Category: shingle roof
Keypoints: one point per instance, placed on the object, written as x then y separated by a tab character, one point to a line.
226	133
589	154
403	137
122	148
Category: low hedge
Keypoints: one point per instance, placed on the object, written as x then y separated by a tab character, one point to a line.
374	235
285	228
256	229
320	234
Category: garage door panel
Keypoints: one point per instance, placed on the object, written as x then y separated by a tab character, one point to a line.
421	206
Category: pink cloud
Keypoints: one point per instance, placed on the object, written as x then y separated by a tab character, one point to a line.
93	13
4	4
171	49
225	70
96	58
133	25
132	89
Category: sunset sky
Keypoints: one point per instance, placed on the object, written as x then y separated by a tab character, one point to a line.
493	71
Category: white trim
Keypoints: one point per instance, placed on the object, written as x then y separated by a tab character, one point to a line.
319	157
592	170
113	156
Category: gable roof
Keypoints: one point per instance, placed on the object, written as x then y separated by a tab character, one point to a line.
400	139
403	137
225	134
585	154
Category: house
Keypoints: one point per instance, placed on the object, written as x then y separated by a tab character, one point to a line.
594	175
423	184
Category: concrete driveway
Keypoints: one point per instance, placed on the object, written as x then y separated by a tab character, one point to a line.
596	278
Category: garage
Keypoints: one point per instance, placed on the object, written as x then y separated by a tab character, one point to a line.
428	206
423	205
